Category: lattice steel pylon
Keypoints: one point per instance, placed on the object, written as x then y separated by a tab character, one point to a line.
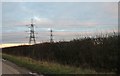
32	33
51	36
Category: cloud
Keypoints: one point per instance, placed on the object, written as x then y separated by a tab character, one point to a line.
14	37
66	19
60	0
75	23
61	23
111	8
58	34
39	20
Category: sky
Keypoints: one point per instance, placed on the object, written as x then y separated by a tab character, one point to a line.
68	20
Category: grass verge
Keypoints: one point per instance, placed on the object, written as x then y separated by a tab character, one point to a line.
46	67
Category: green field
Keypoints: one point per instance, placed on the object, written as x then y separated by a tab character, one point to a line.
46	67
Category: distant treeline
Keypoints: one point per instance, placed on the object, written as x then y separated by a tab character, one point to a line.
101	53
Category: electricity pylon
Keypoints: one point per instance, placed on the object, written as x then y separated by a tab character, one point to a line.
51	36
32	33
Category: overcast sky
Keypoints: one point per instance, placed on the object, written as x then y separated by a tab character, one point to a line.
67	19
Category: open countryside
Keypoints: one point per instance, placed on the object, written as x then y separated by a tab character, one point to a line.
57	38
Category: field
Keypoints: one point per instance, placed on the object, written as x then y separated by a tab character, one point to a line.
46	67
99	55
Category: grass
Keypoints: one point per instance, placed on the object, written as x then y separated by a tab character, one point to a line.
46	67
